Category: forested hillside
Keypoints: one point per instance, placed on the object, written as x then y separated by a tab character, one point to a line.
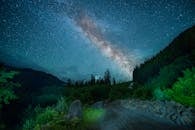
170	75
177	56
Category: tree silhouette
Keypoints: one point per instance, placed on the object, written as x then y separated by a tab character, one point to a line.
92	81
114	81
69	82
107	77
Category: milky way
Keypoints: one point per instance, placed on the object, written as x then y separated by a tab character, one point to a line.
77	38
93	32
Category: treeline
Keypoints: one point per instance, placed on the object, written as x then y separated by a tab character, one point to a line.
105	80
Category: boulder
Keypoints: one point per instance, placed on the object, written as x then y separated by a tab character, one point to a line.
75	110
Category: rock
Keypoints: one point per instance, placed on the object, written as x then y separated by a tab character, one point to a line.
98	105
75	110
131	85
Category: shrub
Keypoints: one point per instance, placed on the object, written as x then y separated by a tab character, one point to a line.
183	91
92	115
47	115
29	124
143	92
99	92
158	94
7	86
50	119
62	105
41	117
120	92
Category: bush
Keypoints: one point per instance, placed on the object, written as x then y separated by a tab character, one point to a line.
120	91
47	115
92	115
99	92
142	92
7	86
52	118
88	94
62	106
183	91
41	117
29	124
158	94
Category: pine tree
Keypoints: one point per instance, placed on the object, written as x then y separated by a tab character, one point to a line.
114	81
69	82
107	77
92	81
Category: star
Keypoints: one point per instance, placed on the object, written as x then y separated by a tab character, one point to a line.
70	38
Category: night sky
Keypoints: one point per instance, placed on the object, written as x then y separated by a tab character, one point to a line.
76	38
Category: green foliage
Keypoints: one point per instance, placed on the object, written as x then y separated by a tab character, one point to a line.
120	91
165	79
42	116
92	115
100	93
94	93
7	86
62	106
158	94
47	115
88	94
162	88
5	76
168	74
6	95
52	118
29	124
183	91
142	92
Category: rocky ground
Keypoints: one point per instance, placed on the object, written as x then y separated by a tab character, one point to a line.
145	115
172	111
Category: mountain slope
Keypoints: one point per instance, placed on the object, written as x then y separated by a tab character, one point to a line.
180	52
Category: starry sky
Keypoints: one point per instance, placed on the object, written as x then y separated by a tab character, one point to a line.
76	38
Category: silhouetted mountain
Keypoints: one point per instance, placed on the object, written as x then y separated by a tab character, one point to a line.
177	56
33	78
36	88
